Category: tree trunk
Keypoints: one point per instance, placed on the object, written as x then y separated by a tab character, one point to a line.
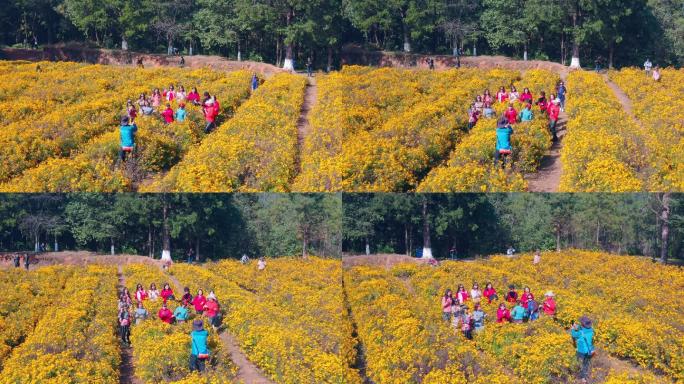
197	250
598	232
166	236
111	246
304	244
169	46
36	237
149	241
575	62
239	49
665	229
367	247
124	44
525	51
406	241
288	64
330	59
278	52
562	48
558	239
427	249
611	51
56	249
405	31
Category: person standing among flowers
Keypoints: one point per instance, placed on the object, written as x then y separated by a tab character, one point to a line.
140	314
502	96
461	294
199	352
554	113
466	322
198	302
512	295
212	310
511	114
187	296
167	114
583	336
526	296
447	301
526	96
180	112
210	113
542	103
503	140
125	325
532	310
255	82
127	133
193	96
476	293
526	113
167	293
562	92
478	318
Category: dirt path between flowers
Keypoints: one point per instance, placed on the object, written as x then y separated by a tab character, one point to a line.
360	363
622	98
548	175
127	368
303	125
248	373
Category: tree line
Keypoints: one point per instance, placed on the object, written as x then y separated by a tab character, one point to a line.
620	32
212	225
464	225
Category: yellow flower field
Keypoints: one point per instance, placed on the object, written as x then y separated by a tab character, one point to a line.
635	305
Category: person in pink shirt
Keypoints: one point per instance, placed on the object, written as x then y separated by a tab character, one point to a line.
168	114
526	297
194	96
473	116
156	98
502	95
166	292
447	301
170	94
165	314
198	301
461	294
503	315
511	114
211	310
554	113
487	97
140	293
526	96
490	293
549	305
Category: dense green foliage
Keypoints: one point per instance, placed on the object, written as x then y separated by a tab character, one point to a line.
482	224
214	225
625	32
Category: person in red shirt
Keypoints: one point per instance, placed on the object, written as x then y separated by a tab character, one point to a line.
165	314
490	293
211	310
542	103
512	295
198	302
194	96
502	95
131	111
209	115
549	305
526	296
526	96
554	112
503	315
166	292
511	114
187	297
168	114
140	293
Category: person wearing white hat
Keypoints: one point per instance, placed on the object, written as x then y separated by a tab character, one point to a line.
549	305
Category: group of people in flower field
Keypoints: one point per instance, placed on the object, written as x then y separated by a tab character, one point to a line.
516	307
132	311
160	102
483	108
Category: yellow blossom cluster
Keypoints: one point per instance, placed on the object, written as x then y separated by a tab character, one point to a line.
601	151
290	319
256	150
26	296
633	302
74	341
470	166
75	147
659	108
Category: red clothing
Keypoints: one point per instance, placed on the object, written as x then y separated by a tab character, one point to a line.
525	298
526	97
487	99
193	96
210	113
168	115
211	308
512	296
166	315
554	111
549	306
512	115
198	302
166	293
503	315
488	293
543	105
462	296
170	95
501	96
141	295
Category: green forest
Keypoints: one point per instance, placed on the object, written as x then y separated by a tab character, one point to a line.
213	225
617	32
466	225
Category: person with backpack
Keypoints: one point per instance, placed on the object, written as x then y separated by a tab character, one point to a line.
549	305
490	293
503	315
503	140
255	82
199	351
140	314
512	295
554	112
526	113
181	313
187	296
198	302
309	67
583	337
478	318
466	322
181	112
532	310
518	313
541	102
210	113
447	301
125	325
17	261
127	133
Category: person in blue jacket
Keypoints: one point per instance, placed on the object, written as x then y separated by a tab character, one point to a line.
199	353
526	114
503	140
583	335
127	133
255	82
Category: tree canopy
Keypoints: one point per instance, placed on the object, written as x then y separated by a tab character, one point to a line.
623	32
